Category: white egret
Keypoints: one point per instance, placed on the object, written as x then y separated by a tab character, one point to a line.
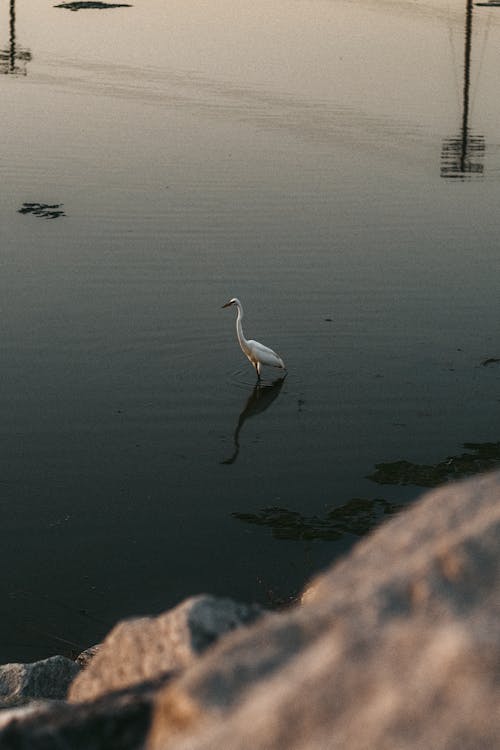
258	354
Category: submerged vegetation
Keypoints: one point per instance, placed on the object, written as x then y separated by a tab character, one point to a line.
356	517
92	5
43	210
359	516
483	456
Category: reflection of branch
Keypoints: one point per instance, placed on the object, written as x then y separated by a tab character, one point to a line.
259	400
356	517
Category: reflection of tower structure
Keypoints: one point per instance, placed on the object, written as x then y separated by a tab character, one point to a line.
461	155
13	59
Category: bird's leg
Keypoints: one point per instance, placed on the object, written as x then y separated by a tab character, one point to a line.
257	369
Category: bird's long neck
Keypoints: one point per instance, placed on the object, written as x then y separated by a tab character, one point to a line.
239	328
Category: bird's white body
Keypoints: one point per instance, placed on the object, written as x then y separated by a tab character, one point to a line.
257	353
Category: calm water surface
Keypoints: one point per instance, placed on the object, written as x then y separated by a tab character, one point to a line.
319	159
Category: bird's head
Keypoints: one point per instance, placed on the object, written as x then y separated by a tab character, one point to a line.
233	301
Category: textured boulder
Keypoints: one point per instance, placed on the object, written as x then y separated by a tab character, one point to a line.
114	722
49	678
396	647
414	688
17	715
84	659
148	647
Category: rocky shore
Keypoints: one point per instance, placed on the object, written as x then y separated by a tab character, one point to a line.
395	647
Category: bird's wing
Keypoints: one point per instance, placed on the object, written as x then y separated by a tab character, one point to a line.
265	355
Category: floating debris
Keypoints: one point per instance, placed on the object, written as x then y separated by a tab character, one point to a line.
93	5
44	210
485	456
357	517
490	361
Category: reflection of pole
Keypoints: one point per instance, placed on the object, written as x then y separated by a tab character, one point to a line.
13	58
458	151
468	48
12	28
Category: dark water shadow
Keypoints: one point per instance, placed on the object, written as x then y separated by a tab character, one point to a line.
357	517
14	58
43	210
22	609
260	399
92	5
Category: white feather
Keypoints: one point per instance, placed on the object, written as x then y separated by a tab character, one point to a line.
257	353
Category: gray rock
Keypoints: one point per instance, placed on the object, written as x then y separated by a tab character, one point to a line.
114	722
397	647
145	648
50	678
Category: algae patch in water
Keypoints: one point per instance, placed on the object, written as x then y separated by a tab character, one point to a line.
483	457
43	210
92	5
357	517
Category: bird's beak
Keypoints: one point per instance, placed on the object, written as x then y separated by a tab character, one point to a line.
228	304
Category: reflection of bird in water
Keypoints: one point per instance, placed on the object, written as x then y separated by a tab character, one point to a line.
258	354
259	400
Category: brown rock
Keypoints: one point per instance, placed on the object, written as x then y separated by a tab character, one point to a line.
84	659
148	647
396	648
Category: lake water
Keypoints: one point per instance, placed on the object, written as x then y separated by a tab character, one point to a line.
336	166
